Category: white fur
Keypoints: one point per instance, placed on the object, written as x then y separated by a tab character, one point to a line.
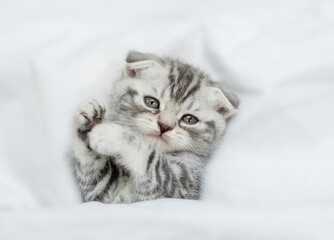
131	138
109	139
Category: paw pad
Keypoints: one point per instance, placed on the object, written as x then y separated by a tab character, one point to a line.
91	114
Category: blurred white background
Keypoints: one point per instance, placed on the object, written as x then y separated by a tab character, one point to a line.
272	177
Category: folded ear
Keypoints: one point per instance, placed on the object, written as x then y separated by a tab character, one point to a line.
228	101
137	61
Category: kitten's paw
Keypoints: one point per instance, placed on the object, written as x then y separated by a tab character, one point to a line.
104	139
90	114
99	144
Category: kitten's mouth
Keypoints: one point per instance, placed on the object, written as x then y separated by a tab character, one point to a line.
163	138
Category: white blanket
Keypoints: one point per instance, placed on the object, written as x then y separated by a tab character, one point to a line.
271	178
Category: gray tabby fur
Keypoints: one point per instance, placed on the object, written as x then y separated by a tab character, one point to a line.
120	152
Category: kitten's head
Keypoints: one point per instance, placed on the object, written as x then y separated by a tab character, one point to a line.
174	104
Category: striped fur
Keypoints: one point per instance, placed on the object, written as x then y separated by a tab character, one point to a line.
120	152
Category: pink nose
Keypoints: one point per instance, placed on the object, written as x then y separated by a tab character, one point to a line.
164	128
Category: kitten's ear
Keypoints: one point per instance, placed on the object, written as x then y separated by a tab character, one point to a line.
228	101
136	61
133	70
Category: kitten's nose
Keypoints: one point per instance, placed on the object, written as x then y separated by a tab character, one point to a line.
164	128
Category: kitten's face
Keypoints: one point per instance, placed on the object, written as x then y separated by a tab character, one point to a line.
173	105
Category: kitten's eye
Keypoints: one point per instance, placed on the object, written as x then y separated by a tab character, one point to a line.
151	102
189	119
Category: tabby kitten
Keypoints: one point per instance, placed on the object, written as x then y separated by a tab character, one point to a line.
154	138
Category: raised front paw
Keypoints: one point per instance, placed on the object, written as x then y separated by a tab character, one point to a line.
106	139
89	115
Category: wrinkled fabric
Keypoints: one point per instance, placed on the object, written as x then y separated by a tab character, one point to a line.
272	176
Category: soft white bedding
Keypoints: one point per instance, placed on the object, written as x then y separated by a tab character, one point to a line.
272	177
172	219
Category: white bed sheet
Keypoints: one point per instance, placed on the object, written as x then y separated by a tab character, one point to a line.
171	219
272	177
